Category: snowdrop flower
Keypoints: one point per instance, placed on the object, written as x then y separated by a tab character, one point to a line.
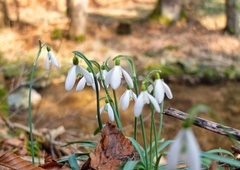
74	72
51	58
185	148
144	98
114	76
126	97
107	108
160	88
104	74
81	84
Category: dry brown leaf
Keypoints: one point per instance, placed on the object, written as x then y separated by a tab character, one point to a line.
51	164
10	160
112	150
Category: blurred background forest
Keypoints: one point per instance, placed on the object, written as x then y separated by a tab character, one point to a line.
196	44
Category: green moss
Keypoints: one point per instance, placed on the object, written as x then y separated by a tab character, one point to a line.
56	34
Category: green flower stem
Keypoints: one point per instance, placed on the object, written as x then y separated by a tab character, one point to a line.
151	143
96	85
144	140
135	82
153	133
116	102
29	101
119	125
161	120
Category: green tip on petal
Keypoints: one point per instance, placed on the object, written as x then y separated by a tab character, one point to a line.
48	48
128	87
157	76
117	62
75	60
89	70
106	100
143	87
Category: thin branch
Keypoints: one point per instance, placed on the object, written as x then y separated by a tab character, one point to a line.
206	124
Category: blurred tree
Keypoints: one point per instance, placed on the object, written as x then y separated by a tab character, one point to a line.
77	12
232	17
4	17
168	10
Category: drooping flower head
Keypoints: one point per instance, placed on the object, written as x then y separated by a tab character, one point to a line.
107	108
74	72
126	97
144	98
115	75
104	74
160	88
185	148
51	58
81	84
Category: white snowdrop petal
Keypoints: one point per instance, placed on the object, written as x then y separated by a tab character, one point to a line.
154	102
108	77
167	90
138	106
124	100
127	78
110	112
101	110
158	91
174	151
193	151
150	88
77	70
81	84
53	59
116	76
133	95
47	62
71	78
94	86
87	75
104	73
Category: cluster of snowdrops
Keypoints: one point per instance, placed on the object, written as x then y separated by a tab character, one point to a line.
184	149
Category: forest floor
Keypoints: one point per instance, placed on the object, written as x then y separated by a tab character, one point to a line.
193	50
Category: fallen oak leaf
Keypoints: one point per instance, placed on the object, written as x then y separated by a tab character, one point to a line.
11	160
113	150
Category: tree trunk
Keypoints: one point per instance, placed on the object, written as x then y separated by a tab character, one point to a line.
232	17
169	10
4	18
77	11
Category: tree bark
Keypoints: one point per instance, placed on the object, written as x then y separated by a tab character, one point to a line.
206	124
169	10
232	17
77	11
4	18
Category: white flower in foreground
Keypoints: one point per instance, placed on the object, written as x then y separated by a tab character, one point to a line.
114	76
185	148
160	88
51	58
144	98
126	97
81	84
74	72
107	108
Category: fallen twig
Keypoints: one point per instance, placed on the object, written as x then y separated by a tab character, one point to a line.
206	124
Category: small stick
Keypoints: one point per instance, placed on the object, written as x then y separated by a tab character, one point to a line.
206	124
